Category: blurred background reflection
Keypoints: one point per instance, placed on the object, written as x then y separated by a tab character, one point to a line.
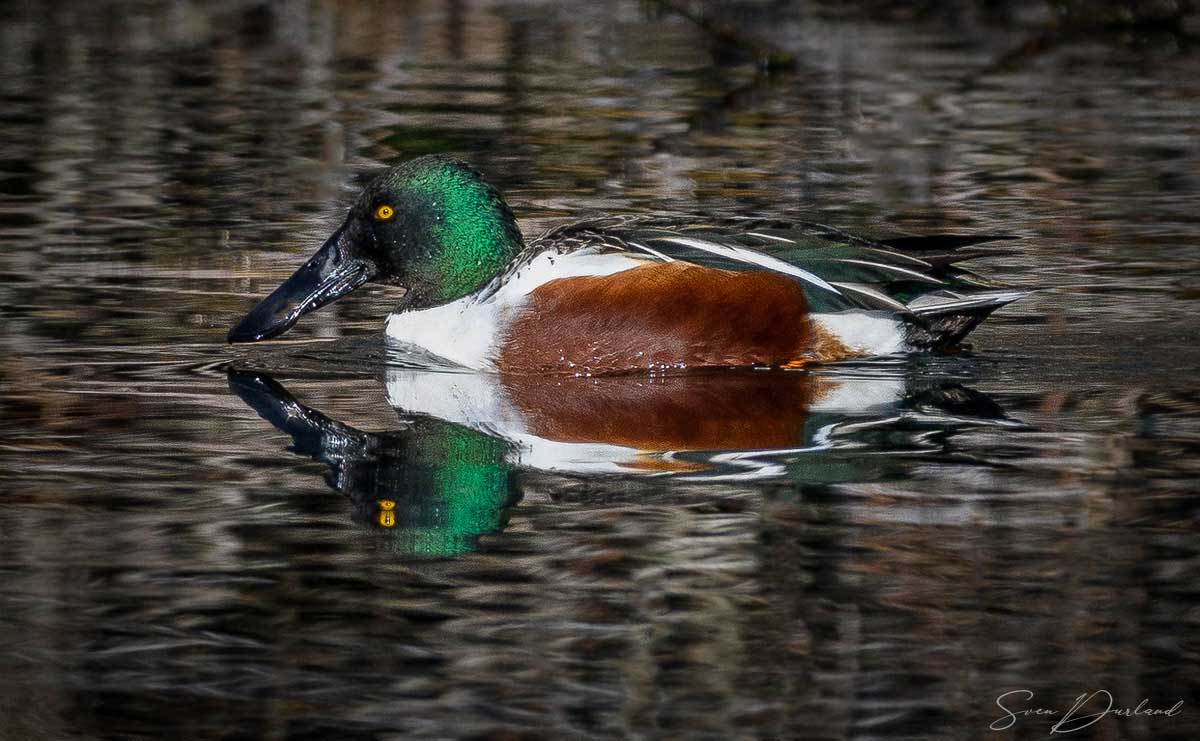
1024	517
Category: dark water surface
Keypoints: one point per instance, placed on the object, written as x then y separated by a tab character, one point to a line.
199	541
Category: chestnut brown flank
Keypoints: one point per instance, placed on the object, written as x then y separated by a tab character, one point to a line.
662	315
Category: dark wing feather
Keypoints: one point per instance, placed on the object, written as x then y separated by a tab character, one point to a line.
839	271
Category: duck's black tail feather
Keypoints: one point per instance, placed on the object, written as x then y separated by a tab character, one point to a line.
944	318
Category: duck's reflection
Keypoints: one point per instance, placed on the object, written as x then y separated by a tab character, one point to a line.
446	477
701	425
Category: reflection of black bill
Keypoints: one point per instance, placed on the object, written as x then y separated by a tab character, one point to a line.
328	275
308	427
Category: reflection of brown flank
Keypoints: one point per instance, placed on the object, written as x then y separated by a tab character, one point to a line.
652	462
719	410
663	315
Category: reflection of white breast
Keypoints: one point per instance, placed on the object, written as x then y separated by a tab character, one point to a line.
470	399
480	401
477	400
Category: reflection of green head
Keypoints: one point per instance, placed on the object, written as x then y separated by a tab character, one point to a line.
452	487
434	487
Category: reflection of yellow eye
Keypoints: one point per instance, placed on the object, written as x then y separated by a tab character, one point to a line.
387	514
383	213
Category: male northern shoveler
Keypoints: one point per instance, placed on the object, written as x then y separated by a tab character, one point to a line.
626	294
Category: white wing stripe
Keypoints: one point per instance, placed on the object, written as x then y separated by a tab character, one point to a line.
656	253
893	268
995	298
881	298
751	257
760	235
900	257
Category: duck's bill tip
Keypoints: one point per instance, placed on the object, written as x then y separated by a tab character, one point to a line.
270	318
328	275
240	333
254	328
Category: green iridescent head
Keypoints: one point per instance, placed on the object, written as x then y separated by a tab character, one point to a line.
439	229
432	225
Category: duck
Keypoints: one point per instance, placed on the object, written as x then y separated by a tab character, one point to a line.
628	293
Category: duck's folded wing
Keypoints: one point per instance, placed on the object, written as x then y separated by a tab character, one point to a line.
839	271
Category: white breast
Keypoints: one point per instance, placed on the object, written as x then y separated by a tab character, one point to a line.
466	331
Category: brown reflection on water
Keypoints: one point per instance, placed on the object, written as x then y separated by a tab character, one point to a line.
167	569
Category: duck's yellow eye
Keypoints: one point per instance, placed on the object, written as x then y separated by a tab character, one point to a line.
383	213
